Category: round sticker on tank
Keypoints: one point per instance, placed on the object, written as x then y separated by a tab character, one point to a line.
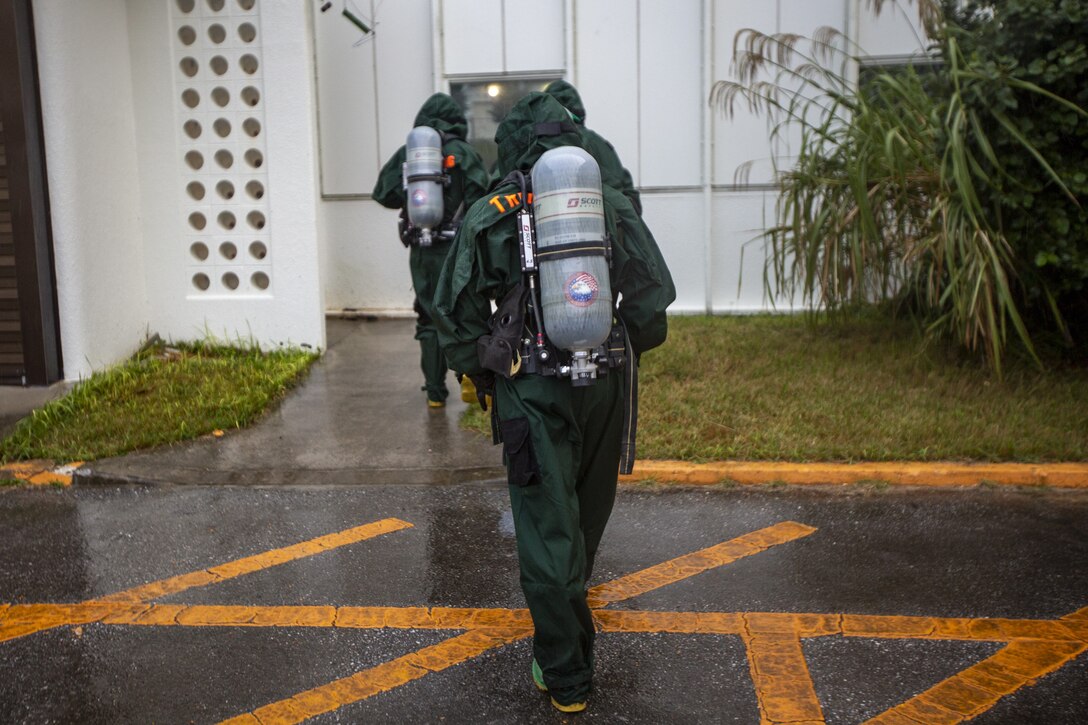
581	289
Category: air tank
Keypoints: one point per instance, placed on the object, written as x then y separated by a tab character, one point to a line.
423	180
576	294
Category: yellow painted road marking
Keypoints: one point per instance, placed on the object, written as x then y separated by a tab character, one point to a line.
697	562
780	675
382	678
250	564
978	688
47	618
781	678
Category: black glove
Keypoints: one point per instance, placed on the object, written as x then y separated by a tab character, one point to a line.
485	387
407	232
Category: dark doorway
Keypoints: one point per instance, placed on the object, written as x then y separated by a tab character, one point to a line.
29	332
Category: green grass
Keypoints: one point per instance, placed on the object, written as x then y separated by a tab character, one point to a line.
779	388
162	395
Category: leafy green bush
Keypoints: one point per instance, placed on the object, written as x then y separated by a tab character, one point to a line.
1045	43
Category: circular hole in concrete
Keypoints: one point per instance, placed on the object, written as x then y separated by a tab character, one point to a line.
230	280
258	250
259	280
225	189
196	190
201	281
195	160
228	250
199	250
189	66
221	96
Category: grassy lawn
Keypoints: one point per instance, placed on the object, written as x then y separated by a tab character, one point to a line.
776	388
162	395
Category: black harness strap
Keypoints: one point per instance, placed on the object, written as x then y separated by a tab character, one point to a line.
630	406
440	178
573	249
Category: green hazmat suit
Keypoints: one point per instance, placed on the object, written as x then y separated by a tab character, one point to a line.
561	443
468	182
613	172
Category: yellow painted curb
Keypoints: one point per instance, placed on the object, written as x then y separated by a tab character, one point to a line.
1056	475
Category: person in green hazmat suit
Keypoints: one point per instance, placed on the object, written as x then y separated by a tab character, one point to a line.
562	444
468	180
613	172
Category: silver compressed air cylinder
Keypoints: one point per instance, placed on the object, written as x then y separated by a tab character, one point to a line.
576	293
423	185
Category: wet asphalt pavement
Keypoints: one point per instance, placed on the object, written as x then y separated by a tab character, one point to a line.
918	553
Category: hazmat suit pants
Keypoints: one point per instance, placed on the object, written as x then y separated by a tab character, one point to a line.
561	445
425	264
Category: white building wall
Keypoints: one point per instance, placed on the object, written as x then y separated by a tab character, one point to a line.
276	296
641	68
111	78
94	184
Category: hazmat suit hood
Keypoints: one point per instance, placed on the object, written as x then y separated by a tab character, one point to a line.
442	113
534	125
567	95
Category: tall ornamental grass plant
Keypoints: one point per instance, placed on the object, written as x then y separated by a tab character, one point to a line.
888	196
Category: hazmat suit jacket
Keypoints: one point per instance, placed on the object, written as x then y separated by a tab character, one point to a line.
613	172
468	177
485	264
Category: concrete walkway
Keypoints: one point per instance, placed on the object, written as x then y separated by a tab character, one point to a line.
358	418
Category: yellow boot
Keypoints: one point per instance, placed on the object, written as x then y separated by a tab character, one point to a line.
468	390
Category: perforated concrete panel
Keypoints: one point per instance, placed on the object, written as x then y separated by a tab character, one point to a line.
225	221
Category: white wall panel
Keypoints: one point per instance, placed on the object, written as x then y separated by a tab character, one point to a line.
369	267
676	221
896	31
405	74
534	35
739	251
742	139
806	18
85	76
606	58
472	36
369	92
670	92
346	99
